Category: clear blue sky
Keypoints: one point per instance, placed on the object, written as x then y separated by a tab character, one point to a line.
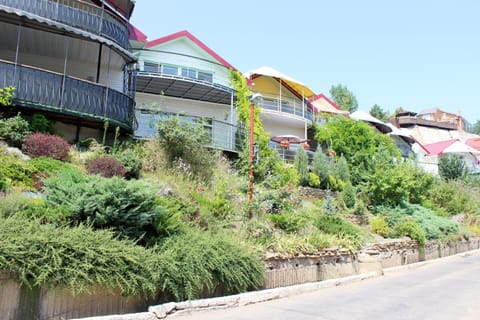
414	54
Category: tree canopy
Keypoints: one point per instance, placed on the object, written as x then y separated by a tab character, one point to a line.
378	112
344	98
359	143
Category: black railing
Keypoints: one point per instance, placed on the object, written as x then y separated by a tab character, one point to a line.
77	14
42	89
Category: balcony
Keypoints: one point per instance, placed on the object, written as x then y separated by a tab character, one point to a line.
44	90
224	136
411	121
77	14
286	106
183	86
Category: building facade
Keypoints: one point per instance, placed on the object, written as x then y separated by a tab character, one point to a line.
69	60
180	75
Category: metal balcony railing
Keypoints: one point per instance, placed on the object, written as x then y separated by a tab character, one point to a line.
51	91
290	106
224	136
77	14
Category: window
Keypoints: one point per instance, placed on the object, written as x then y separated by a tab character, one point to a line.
170	70
205	76
150	67
189	73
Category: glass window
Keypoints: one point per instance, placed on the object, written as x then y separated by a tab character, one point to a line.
205	76
189	73
150	67
170	70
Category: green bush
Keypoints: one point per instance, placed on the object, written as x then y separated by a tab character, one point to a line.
288	222
16	172
14	202
131	162
127	207
49	165
184	145
76	258
348	195
320	167
40	123
412	230
335	225
434	227
301	165
455	197
203	264
313	180
14	130
451	167
379	226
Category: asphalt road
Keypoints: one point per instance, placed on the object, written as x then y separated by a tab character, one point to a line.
447	289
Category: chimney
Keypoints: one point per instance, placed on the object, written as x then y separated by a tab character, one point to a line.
460	124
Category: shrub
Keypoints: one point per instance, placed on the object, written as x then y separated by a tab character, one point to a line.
412	230
131	162
105	166
288	222
455	197
434	227
185	144
127	207
337	226
202	263
301	164
40	123
47	145
13	203
379	226
6	95
14	130
348	195
313	180
451	167
16	172
320	167
284	175
76	258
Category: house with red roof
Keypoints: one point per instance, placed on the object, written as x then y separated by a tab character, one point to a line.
428	155
180	75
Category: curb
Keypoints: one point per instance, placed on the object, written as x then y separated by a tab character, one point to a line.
424	263
173	309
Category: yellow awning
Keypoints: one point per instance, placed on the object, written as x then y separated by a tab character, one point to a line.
296	85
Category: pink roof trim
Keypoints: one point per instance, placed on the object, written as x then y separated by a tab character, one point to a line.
195	40
438	147
136	34
321	95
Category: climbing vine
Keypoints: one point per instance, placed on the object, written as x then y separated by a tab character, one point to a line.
6	95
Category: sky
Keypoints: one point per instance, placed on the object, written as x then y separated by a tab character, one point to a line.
412	54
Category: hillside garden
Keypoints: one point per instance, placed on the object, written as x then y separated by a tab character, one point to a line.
170	218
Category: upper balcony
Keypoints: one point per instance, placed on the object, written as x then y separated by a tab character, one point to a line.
40	89
285	107
74	13
406	121
184	82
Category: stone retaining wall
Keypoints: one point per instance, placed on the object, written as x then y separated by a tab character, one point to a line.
337	263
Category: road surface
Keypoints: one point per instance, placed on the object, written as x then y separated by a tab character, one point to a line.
447	289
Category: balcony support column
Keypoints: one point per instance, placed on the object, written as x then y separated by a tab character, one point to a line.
19	32
231	140
99	62
107	83
62	90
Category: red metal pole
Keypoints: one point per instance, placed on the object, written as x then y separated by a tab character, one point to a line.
252	124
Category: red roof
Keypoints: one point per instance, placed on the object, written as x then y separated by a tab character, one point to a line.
473	142
135	34
199	43
321	95
438	147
